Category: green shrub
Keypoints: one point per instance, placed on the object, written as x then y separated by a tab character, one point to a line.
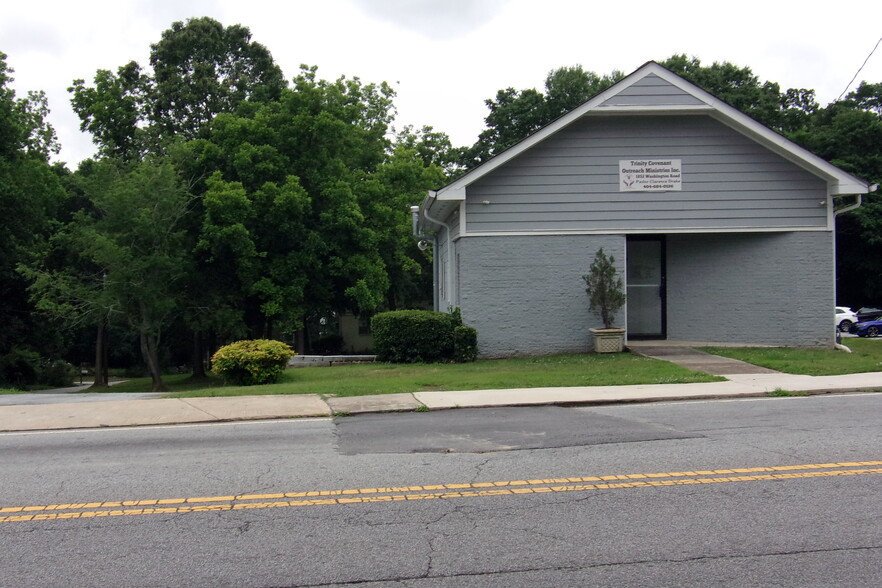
25	369
57	373
257	361
20	368
465	344
418	336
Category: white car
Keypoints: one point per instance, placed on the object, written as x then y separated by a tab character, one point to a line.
845	318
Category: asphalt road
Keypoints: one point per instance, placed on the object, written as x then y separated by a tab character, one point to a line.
779	491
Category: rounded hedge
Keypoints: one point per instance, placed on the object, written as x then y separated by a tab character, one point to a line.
251	362
465	344
421	336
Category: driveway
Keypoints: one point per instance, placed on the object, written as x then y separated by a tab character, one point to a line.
72	394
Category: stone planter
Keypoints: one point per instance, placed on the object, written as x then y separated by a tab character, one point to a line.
610	340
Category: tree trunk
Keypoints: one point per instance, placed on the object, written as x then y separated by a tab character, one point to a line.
300	341
150	352
100	380
198	353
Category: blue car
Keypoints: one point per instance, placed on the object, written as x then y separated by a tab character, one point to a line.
868	328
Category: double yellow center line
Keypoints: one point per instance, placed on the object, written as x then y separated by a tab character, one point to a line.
87	510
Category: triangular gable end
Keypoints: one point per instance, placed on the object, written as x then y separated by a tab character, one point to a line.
654	89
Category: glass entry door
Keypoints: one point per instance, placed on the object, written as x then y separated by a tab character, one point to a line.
646	287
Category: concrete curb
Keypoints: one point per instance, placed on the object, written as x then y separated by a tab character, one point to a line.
169	411
742	382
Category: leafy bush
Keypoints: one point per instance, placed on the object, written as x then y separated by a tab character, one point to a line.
257	361
465	344
25	369
20	368
416	336
57	373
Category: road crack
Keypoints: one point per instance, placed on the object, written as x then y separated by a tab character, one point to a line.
572	568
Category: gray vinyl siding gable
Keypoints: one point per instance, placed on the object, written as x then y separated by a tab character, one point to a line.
652	91
454	224
569	182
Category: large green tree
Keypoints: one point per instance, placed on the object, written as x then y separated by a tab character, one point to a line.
848	133
114	111
307	202
138	238
31	196
785	112
127	253
516	114
198	69
201	68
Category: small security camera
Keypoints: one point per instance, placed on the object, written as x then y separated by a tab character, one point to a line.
423	245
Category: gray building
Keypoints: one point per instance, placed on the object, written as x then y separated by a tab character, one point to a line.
722	228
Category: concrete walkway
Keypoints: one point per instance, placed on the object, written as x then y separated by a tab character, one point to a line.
696	360
742	380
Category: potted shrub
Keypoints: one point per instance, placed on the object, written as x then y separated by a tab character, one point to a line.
606	295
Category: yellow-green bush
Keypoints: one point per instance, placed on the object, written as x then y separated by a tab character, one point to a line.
251	362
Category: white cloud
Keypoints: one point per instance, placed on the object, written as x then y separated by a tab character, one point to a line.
448	19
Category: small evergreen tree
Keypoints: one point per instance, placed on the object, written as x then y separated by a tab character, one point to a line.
604	287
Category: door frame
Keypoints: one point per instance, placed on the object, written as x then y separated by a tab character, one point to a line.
663	295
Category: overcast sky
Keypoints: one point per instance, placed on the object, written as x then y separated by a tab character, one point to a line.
445	57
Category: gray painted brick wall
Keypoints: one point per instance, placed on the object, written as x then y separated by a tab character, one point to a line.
765	288
525	295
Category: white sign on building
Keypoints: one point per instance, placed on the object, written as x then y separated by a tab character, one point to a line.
650	175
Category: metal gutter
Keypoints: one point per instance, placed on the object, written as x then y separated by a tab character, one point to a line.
435	260
857	203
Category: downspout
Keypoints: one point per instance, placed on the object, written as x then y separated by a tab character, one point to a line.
857	203
858	200
415	220
432	194
415	216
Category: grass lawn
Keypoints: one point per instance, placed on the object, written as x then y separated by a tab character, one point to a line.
382	378
12	391
866	356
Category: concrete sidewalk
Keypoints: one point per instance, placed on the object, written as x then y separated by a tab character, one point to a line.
743	380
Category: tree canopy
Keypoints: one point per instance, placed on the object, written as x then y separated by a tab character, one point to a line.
300	193
848	133
322	153
785	112
31	198
516	114
199	70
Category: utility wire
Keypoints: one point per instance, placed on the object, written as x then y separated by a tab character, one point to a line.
857	73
